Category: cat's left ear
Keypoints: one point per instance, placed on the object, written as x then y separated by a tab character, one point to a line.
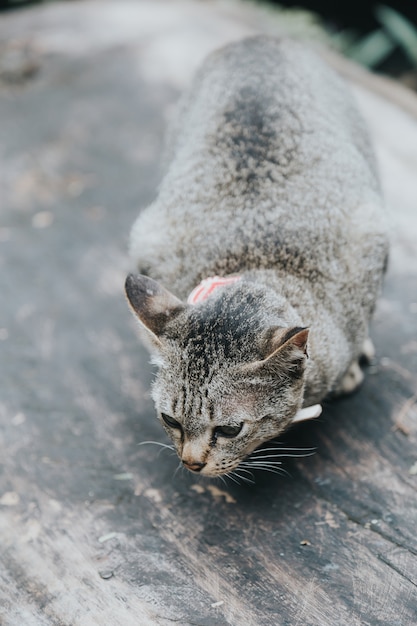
153	305
285	350
282	350
289	341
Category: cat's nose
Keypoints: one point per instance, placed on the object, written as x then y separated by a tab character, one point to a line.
194	466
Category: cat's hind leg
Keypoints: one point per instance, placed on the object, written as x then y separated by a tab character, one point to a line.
351	380
354	375
368	351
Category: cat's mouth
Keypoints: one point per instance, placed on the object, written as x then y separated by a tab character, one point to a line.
212	471
195	467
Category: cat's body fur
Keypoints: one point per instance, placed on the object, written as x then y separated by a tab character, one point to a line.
271	177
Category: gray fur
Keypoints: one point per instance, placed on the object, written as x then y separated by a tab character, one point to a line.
272	177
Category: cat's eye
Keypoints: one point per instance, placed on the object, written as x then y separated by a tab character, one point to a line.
170	421
228	431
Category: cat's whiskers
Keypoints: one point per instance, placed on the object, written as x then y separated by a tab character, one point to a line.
162	446
273	454
180	466
222	478
268	468
266	457
232	477
157	443
249	480
282	456
283	449
267	465
252	462
256	464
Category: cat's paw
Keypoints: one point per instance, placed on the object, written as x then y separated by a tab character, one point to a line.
352	379
368	351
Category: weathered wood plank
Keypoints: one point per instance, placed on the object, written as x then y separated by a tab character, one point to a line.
93	527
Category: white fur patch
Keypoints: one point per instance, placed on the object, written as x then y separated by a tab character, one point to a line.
310	412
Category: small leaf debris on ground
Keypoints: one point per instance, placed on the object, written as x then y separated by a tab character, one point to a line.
9	498
413	469
217	604
107	537
123	476
219	493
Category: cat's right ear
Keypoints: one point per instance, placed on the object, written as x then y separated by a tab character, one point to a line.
153	305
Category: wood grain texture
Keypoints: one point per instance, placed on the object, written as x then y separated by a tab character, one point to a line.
95	529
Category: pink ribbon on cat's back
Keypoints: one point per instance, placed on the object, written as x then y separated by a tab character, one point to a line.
208	285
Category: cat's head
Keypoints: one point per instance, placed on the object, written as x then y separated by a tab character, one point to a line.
228	378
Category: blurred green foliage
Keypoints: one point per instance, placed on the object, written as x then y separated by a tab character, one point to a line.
395	32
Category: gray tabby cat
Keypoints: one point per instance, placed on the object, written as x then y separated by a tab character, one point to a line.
272	182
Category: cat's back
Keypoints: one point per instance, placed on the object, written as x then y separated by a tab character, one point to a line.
272	89
269	154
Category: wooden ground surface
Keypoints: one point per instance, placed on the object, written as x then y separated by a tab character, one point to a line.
95	529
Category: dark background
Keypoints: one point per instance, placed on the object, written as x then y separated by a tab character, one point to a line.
336	14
